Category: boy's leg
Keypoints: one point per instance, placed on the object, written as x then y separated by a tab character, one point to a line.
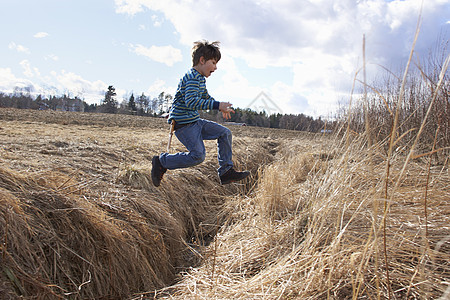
212	131
227	174
191	137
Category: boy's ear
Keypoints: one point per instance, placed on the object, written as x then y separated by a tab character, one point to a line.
202	60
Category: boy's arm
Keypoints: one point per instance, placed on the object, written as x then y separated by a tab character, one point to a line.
193	97
194	100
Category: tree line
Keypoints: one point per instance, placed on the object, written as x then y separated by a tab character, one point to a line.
140	105
143	105
250	117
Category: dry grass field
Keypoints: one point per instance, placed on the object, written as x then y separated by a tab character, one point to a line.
318	219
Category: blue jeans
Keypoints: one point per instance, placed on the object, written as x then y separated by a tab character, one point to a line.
192	136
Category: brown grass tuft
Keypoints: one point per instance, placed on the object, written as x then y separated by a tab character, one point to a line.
312	230
57	244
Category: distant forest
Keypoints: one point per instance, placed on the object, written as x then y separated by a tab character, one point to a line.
159	106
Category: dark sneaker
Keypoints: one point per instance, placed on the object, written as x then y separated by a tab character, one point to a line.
231	176
157	171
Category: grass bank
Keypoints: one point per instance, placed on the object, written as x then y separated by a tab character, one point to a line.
321	226
79	217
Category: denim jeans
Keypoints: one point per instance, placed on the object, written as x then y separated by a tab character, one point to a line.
192	136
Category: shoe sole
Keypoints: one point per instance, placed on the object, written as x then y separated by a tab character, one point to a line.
233	180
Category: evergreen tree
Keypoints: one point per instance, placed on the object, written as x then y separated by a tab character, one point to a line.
90	107
275	120
132	104
110	103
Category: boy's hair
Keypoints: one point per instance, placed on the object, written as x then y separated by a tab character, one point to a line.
207	50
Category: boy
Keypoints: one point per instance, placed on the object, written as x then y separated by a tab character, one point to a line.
190	130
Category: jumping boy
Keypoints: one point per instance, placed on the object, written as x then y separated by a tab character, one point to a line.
190	129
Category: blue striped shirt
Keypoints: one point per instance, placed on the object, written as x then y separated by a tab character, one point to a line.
191	96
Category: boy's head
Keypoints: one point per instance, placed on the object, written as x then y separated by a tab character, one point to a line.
207	50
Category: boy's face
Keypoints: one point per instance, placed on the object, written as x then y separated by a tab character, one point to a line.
206	67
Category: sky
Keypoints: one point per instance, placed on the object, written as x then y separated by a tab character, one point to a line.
285	56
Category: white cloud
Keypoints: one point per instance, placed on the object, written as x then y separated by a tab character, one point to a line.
78	86
128	7
165	54
6	77
233	83
18	48
53	84
271	33
40	35
27	69
160	86
51	57
156	21
9	82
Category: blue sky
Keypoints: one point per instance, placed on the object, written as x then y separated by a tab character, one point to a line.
302	54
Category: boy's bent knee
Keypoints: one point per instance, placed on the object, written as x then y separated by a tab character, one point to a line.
226	133
197	158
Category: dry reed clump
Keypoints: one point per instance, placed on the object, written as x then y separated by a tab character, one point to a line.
136	176
314	230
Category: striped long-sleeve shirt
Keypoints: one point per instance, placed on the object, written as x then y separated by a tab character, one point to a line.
191	97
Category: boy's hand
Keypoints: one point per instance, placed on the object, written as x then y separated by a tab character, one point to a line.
225	108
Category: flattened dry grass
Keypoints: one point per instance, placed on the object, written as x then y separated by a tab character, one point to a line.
79	217
313	230
59	244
